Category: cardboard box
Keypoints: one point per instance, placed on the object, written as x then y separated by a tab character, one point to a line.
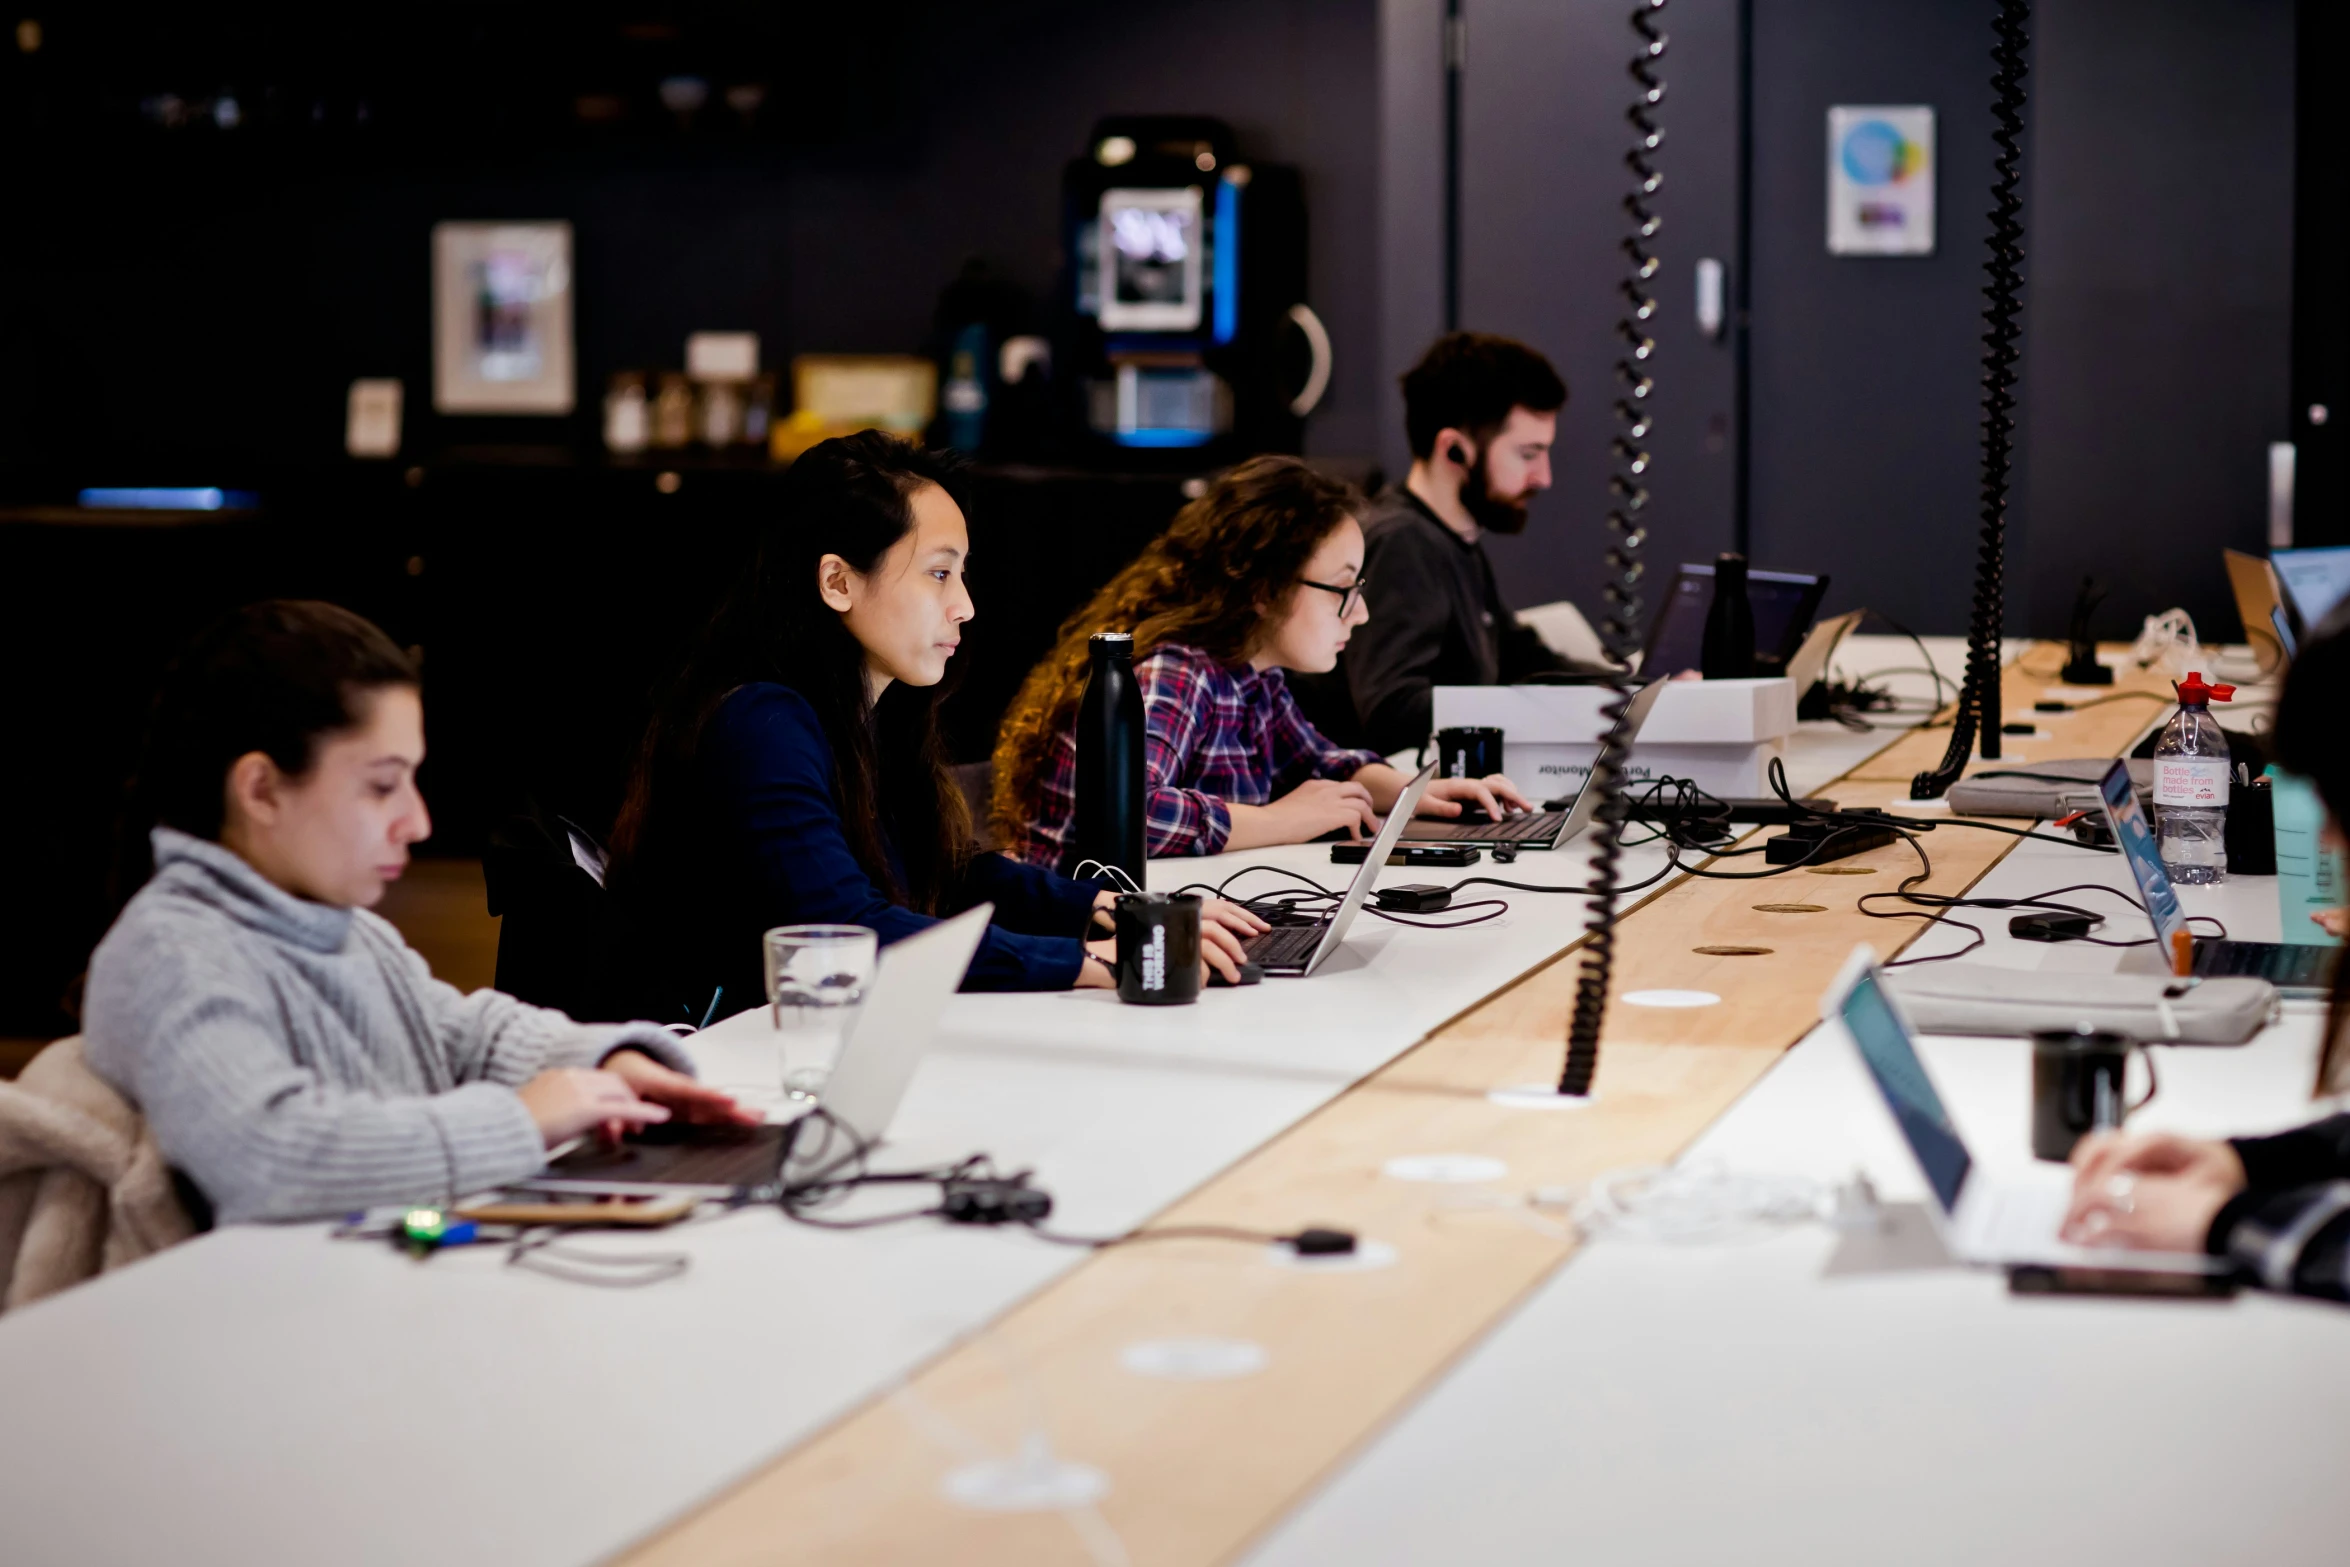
1720	734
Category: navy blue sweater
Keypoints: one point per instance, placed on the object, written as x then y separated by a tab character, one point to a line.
759	843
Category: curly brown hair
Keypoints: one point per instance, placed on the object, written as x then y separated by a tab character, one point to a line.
1223	572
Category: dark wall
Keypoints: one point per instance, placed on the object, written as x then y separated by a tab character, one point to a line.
2158	183
203	297
1544	181
1545	86
1864	383
2158	364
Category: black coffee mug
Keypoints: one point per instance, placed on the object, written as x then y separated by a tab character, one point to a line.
2079	1085
1470	752
1158	948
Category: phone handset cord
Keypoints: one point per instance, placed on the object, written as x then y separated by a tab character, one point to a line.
1977	712
1627	529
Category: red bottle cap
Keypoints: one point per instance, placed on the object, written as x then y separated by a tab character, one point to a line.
2194	693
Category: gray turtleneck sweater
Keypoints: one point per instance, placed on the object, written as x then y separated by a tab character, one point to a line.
297	1060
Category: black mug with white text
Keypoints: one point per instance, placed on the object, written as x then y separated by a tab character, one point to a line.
1158	948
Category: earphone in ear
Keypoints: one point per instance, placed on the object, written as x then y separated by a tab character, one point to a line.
1458	453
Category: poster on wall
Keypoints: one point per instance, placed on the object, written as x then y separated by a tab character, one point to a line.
501	318
1881	181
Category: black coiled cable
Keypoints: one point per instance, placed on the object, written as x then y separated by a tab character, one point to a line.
1978	702
1627	527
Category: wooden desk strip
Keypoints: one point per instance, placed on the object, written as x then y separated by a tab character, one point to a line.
2095	731
1198	1469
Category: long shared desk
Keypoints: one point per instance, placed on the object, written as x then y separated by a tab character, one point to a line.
802	1395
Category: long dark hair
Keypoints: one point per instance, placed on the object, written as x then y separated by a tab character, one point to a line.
852	497
1224	570
276	677
2312	740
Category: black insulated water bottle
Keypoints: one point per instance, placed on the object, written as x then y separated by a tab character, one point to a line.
1109	760
1728	650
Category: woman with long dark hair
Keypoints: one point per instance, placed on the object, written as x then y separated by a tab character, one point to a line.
794	774
1261	574
2278	1207
293	1056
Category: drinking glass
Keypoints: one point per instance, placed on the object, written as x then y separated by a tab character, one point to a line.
816	981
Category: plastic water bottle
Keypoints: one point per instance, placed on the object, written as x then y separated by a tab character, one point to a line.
2191	787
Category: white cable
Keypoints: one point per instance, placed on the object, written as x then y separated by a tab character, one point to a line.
1689	1204
1106	869
2169	639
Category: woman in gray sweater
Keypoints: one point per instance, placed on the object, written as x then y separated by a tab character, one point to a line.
294	1057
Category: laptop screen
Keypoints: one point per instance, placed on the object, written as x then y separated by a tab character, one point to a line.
1892	1059
1783	603
2317	581
2135	834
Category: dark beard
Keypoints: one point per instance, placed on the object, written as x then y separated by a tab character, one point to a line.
1491	514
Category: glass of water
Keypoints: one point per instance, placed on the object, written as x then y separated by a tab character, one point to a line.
816	981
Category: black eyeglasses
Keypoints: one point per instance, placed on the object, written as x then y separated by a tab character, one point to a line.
1348	597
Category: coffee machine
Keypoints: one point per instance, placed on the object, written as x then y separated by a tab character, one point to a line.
1185	276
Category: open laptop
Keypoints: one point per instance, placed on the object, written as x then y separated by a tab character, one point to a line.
911	986
1982	1218
1294	951
2253	581
2298	971
1545	829
1784	604
2316	582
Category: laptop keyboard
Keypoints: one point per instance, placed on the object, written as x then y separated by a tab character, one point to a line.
1511	829
2279	964
2025	1218
683	1155
1287	946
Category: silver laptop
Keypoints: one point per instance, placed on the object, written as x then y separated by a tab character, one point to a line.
1981	1218
886	1042
1545	829
2303	972
1294	951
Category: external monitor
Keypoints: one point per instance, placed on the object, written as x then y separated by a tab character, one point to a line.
1784	604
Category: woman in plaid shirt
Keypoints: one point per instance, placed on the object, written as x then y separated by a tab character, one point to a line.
1263	573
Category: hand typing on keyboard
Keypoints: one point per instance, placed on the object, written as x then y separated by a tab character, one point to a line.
1479	800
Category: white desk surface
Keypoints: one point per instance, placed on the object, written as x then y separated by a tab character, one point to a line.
264	1394
1812	1399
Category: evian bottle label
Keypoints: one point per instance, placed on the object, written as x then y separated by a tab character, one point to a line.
2191	781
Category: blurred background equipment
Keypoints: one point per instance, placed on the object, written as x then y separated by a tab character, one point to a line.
1187	272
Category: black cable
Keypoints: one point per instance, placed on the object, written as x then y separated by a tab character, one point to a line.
2119	696
1978	704
1172	1232
1628	529
1925	658
1933	907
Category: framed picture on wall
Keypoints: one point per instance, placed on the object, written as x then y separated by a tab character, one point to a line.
1881	180
501	318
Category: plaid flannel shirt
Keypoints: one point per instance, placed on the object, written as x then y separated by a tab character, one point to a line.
1213	735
